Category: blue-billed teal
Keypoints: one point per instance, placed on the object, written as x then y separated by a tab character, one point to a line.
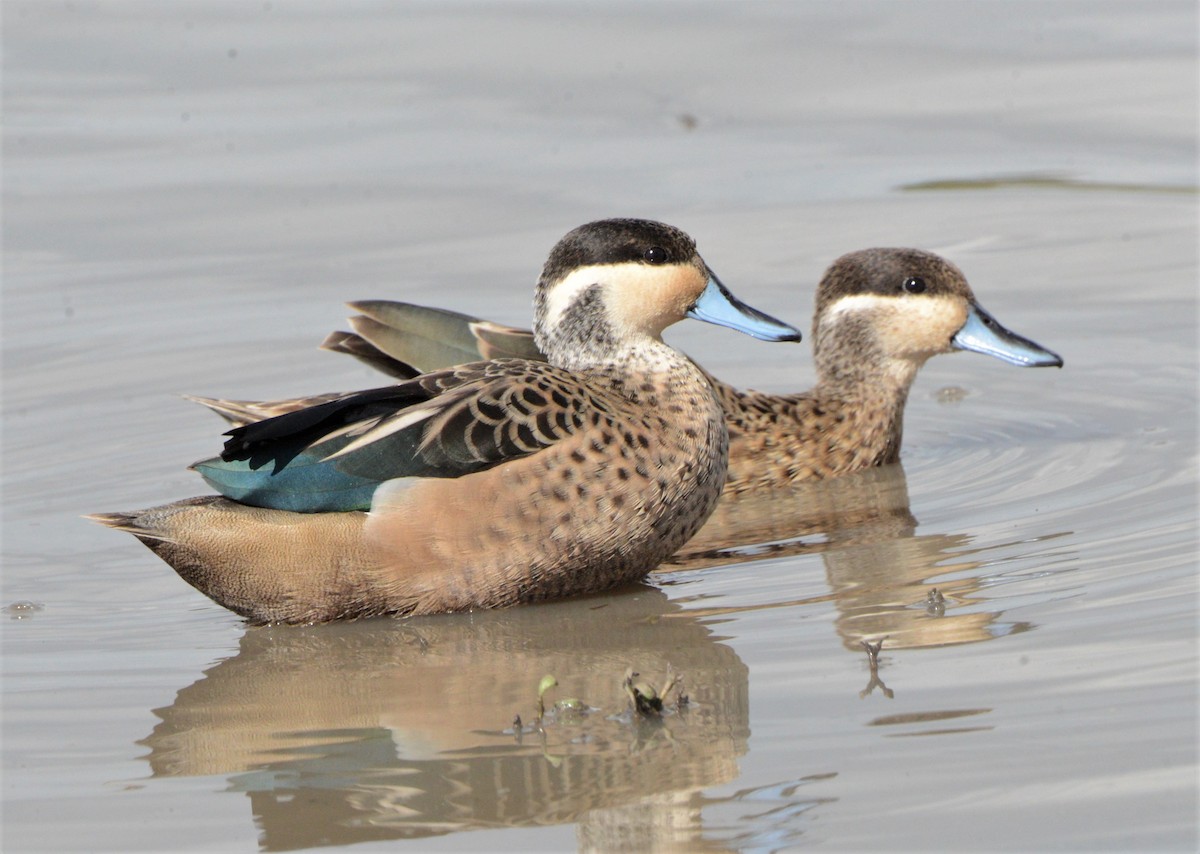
880	314
486	484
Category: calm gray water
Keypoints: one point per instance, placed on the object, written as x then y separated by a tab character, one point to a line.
192	190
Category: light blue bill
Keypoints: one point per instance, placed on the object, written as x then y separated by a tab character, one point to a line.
982	333
717	305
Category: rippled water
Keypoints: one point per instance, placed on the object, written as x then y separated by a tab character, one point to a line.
191	190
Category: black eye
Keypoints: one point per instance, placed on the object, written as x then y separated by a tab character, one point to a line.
914	285
656	255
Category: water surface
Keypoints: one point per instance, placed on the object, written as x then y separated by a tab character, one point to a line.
191	190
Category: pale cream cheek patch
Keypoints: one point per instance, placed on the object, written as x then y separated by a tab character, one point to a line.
903	324
637	296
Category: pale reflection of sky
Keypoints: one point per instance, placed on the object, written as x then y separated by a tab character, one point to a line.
790	101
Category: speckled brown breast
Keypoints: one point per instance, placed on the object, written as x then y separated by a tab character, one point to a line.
598	509
778	439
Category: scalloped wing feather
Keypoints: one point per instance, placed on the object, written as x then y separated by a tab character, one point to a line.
447	424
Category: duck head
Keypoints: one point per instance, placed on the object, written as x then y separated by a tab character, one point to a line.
892	309
612	286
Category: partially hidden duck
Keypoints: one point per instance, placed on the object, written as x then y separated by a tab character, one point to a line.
486	484
880	315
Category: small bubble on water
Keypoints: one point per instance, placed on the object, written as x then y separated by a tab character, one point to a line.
950	394
23	610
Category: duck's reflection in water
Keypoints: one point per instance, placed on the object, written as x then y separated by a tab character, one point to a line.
389	729
886	580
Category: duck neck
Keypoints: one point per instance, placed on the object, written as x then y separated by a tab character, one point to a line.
605	354
869	388
865	380
648	372
583	338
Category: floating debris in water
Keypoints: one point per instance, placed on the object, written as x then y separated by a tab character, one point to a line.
950	394
646	698
935	603
570	704
545	685
873	660
1044	181
566	707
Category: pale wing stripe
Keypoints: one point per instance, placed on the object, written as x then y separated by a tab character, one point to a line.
411	416
355	429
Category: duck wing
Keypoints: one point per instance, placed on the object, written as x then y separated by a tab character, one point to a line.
240	412
403	340
450	423
400	340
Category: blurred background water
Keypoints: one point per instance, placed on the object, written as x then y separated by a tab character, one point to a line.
191	191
